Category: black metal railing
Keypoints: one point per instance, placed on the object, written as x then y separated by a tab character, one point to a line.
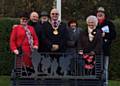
62	65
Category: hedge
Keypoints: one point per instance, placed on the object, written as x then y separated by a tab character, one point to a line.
7	58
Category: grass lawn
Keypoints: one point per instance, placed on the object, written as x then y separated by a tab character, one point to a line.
5	81
114	83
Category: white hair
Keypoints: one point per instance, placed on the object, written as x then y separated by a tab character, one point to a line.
34	13
92	18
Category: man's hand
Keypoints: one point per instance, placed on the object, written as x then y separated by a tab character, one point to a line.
103	34
55	47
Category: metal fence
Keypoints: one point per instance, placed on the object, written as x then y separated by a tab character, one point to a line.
60	69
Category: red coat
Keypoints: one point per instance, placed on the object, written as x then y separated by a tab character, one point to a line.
18	37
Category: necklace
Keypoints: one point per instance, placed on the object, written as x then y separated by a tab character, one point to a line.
55	28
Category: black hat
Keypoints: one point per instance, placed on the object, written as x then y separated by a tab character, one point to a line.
23	14
44	13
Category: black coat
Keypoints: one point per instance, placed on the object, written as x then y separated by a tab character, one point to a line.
109	37
38	26
50	38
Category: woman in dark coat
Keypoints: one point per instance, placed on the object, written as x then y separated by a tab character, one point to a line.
90	43
73	32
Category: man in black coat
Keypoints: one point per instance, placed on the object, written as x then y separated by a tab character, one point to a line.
54	39
34	21
38	26
55	31
109	34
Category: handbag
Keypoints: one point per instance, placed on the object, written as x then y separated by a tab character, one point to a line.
20	50
20	47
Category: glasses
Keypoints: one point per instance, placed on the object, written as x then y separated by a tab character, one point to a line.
100	15
54	13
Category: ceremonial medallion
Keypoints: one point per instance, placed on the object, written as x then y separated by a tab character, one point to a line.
55	27
55	32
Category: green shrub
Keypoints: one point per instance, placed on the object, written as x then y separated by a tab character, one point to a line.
115	54
6	57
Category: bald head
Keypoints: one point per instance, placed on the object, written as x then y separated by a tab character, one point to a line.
34	16
54	14
54	10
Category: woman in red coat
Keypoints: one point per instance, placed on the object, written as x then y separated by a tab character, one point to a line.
25	37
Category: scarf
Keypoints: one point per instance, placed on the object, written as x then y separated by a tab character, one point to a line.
90	34
29	36
101	21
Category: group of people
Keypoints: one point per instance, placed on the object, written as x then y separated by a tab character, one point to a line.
51	35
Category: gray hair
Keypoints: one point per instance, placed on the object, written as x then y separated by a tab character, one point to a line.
92	18
34	13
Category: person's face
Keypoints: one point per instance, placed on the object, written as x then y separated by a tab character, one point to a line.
100	15
54	14
91	24
73	25
44	18
23	21
34	17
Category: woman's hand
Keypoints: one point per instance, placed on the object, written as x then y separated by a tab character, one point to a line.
16	52
80	52
35	47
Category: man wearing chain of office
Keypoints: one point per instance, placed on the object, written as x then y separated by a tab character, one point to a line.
54	39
